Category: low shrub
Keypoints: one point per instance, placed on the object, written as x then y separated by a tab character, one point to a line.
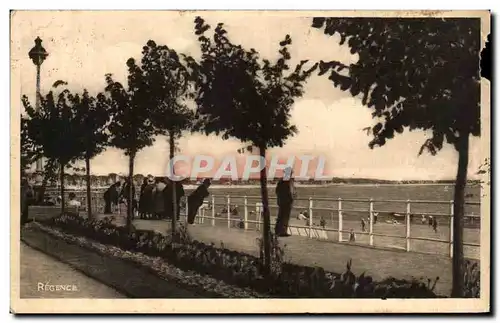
243	270
472	279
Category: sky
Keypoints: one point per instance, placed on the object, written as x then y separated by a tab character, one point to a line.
84	46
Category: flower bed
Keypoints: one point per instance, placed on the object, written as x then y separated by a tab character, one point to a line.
189	280
234	268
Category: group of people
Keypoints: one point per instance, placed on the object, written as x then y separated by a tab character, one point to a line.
156	198
29	197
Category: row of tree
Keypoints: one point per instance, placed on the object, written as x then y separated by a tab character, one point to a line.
412	73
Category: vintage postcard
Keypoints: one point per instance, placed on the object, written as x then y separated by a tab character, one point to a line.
250	162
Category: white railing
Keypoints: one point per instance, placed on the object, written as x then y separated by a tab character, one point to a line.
338	211
338	215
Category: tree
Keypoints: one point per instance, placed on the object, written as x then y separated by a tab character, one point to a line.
53	130
29	154
485	172
130	126
241	96
167	82
27	146
416	74
93	135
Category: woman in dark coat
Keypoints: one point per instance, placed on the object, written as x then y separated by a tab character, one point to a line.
195	199
146	198
111	197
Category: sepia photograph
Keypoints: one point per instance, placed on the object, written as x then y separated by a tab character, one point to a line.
293	161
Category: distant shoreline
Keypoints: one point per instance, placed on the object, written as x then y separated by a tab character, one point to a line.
218	186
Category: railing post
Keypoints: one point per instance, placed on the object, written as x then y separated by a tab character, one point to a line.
187	207
228	211
245	205
451	229
213	210
202	217
310	221
371	222
407	220
258	210
340	218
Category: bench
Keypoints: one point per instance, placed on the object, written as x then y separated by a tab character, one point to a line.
45	212
304	232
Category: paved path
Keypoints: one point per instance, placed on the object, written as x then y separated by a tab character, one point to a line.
38	268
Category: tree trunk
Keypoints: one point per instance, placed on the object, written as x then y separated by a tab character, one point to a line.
131	190
61	174
89	197
458	216
171	142
266	214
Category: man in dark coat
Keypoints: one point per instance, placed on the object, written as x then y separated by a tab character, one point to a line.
111	197
169	205
285	193
27	197
195	200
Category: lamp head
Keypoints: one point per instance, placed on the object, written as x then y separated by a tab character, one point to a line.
38	54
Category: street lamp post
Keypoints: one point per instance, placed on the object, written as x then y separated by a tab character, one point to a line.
38	54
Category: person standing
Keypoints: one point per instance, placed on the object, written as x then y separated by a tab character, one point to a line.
74	204
159	200
435	225
111	197
285	193
195	199
363	225
27	197
146	198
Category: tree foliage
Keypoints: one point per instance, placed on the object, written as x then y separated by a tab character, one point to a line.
94	119
167	81
418	73
28	150
130	127
242	96
53	129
